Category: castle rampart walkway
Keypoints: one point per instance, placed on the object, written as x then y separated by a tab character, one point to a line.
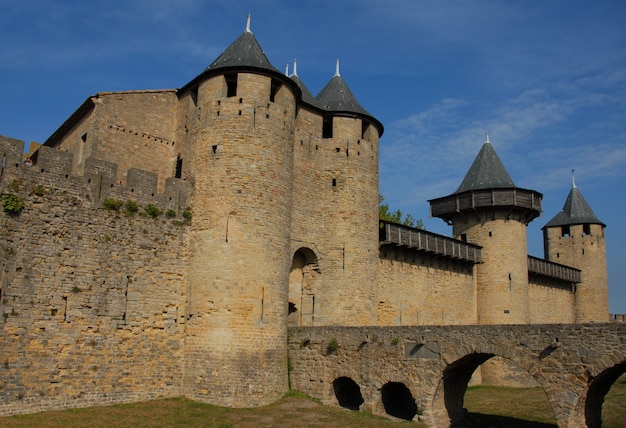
428	242
428	367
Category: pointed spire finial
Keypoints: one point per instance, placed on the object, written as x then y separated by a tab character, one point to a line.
287	69
337	68
573	182
295	68
248	25
487	137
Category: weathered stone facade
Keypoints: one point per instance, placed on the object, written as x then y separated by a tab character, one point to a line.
92	300
100	306
361	367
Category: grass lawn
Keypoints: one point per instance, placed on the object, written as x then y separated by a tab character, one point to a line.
491	406
488	407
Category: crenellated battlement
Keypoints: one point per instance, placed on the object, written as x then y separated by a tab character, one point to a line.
52	168
98	307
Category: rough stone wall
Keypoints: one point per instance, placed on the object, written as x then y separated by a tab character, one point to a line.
312	182
92	301
551	304
133	129
502	278
436	362
81	139
335	215
587	252
418	289
235	347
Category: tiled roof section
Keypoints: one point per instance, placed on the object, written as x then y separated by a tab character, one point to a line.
575	211
487	172
243	52
337	97
307	96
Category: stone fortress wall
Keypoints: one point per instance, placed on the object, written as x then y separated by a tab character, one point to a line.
93	301
101	307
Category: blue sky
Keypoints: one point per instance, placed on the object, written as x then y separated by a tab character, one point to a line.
546	79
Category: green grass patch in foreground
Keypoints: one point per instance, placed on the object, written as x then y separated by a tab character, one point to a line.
529	407
293	410
487	406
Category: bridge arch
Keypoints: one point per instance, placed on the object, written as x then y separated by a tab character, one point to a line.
398	400
449	396
589	406
348	393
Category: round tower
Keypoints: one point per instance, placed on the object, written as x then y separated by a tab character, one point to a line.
489	210
237	121
575	237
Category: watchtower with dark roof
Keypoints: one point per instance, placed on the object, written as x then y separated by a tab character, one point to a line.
282	180
236	123
489	210
575	237
335	211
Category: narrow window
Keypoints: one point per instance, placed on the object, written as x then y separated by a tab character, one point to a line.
565	231
81	148
231	84
364	126
65	309
327	127
276	85
194	96
464	237
586	229
334	182
179	166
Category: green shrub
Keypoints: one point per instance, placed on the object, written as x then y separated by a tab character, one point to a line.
12	204
153	211
187	214
38	190
333	345
14	185
131	207
112	204
170	213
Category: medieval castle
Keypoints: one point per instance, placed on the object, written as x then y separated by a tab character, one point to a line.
100	305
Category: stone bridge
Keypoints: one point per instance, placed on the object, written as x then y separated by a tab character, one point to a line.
425	370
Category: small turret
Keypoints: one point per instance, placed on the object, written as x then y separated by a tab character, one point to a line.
489	210
336	97
575	237
336	186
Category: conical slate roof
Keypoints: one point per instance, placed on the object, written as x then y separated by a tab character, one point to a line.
575	211
245	51
487	172
337	97
307	96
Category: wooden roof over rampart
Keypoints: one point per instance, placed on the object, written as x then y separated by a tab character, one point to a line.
428	242
443	246
568	275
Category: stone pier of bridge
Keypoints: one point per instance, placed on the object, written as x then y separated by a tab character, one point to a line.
423	372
